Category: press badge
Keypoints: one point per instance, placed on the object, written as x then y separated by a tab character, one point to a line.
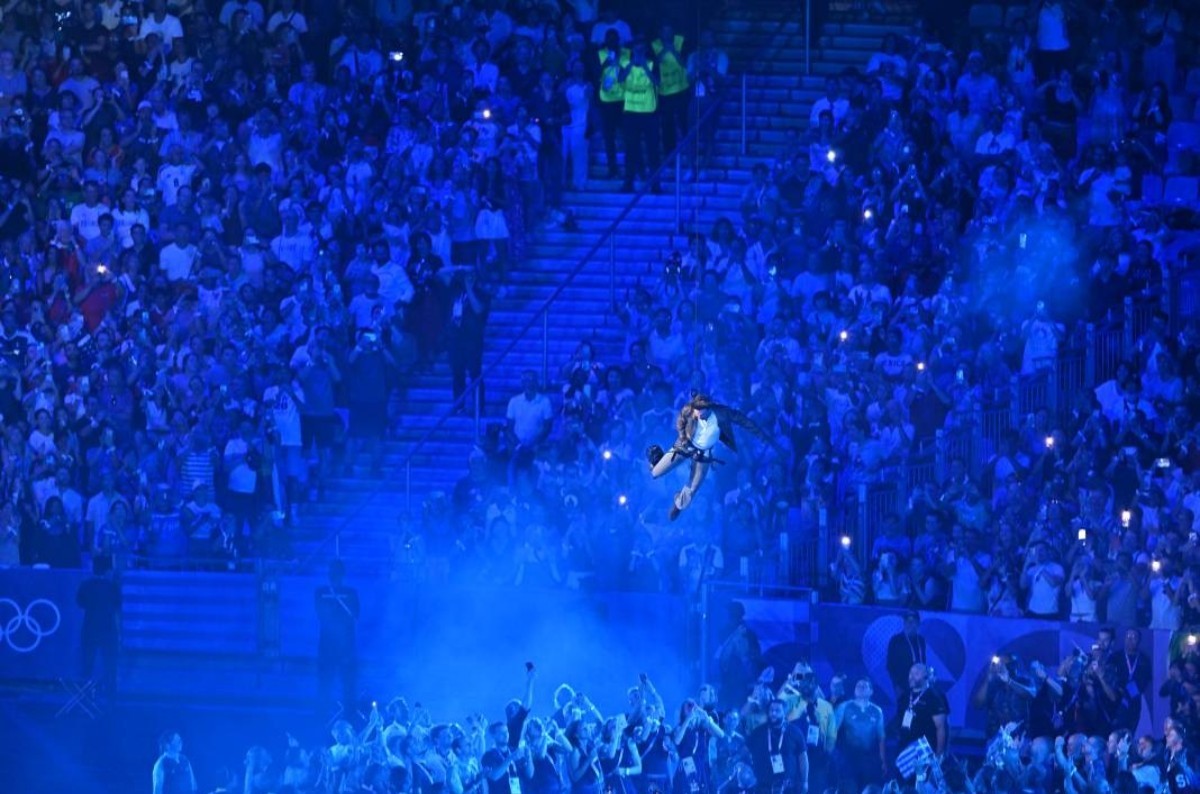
514	784
689	766
777	764
906	723
814	735
1132	690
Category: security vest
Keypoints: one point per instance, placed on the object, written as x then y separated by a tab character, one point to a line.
611	89
672	73
641	95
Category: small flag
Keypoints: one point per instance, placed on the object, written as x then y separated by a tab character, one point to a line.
913	757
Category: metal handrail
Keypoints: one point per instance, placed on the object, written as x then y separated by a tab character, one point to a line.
608	237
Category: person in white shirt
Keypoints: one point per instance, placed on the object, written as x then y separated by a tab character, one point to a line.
833	101
111	12
294	248
1052	39
167	26
174	174
394	284
253	9
287	16
1041	341
996	140
178	259
529	415
85	217
485	72
1042	578
700	425
608	21
128	215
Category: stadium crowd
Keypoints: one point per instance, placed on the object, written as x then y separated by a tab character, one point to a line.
214	217
921	272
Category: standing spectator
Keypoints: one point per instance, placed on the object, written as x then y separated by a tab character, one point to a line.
318	376
99	596
860	744
530	419
674	87
613	61
577	92
337	656
905	649
469	303
1042	579
172	772
1052	38
640	83
923	712
369	369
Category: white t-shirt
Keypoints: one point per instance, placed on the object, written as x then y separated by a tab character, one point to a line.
85	220
966	592
1043	594
171	178
708	432
394	286
169	29
1041	346
528	416
1164	613
1052	28
125	220
294	20
177	262
297	251
286	413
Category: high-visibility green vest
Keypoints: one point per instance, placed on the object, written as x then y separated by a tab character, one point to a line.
641	95
672	73
611	89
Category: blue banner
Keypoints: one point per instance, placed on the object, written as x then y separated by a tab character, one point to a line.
39	624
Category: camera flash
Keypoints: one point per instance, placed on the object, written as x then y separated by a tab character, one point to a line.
1081	534
607	454
845	541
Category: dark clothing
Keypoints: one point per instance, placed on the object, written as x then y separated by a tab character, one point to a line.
1133	684
177	775
919	710
902	654
100	599
337	612
641	145
492	760
516	727
775	752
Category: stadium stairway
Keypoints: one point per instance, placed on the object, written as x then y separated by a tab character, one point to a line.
769	50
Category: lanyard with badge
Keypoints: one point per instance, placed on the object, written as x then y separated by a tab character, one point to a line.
777	767
910	713
688	763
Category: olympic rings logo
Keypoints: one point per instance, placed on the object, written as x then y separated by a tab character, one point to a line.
24	629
